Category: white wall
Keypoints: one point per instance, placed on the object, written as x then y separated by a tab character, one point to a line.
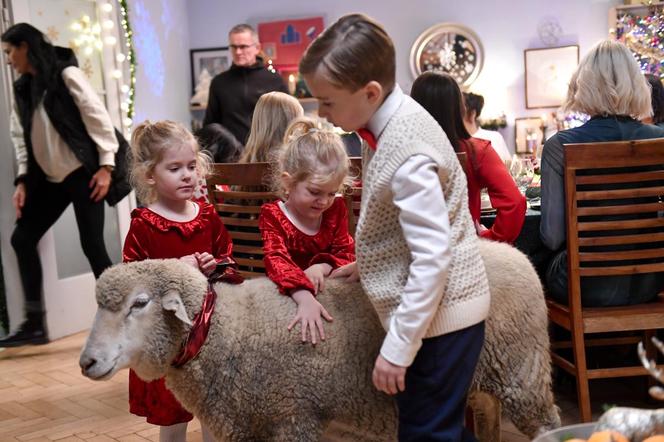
161	42
505	28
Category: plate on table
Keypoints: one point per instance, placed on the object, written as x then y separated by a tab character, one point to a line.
535	203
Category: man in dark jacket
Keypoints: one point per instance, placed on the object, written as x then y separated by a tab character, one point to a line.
234	93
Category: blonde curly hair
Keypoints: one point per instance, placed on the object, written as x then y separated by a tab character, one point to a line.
312	151
149	141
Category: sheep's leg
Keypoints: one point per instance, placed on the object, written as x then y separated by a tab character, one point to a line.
304	429
486	411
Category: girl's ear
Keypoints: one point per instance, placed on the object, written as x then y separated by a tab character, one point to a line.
149	178
286	182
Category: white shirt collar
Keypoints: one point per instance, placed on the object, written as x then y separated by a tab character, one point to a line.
382	116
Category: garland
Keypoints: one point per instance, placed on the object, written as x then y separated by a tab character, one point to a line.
131	58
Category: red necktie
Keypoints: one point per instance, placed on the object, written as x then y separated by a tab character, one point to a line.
367	136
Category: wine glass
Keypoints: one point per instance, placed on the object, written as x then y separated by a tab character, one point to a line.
525	174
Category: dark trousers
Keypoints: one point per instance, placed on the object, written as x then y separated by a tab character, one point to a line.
44	204
432	408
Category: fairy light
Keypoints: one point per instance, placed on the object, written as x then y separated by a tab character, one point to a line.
89	35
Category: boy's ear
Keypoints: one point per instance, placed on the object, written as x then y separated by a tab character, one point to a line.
374	91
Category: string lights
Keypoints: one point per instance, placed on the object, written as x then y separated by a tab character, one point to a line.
644	36
92	36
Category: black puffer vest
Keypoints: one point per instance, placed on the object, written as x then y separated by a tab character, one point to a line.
66	119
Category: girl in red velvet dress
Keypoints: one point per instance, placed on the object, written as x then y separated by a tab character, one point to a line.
440	95
305	235
166	163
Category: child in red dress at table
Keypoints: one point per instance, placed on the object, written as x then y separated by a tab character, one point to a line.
305	235
166	163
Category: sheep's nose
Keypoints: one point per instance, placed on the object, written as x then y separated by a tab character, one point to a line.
86	363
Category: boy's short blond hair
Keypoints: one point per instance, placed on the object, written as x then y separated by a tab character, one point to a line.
352	52
609	81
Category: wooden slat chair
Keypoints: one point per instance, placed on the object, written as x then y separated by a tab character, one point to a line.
601	220
238	213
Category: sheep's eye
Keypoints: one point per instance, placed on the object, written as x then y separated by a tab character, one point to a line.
140	303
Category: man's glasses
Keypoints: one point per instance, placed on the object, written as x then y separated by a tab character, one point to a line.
241	47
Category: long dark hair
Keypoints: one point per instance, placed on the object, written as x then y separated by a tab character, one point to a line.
657	95
41	55
440	95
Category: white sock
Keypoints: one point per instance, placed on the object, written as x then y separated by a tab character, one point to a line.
207	436
173	433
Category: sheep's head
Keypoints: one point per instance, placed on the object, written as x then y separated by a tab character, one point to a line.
144	311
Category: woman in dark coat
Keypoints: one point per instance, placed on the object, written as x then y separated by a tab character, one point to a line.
67	151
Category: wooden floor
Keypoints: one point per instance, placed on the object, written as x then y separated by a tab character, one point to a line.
43	397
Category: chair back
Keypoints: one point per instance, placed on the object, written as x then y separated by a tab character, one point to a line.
237	191
614	227
613	197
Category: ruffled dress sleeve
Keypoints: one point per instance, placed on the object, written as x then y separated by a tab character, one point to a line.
222	248
279	265
135	246
342	247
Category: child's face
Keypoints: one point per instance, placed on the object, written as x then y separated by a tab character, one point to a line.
309	199
341	107
175	176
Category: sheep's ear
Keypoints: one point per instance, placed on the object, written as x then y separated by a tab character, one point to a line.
172	302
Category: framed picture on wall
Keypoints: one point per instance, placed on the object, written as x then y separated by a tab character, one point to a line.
528	134
212	60
548	72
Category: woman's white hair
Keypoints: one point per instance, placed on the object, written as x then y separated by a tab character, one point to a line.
609	81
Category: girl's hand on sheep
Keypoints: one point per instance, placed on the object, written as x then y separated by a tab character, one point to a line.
388	377
206	262
309	313
316	274
191	260
349	271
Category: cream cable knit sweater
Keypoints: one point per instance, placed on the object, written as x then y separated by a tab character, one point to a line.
383	256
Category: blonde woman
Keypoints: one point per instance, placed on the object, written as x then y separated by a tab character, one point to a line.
272	115
609	87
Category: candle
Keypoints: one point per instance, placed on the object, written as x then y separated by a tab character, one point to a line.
291	84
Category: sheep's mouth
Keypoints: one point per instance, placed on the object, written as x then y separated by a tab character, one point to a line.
103	376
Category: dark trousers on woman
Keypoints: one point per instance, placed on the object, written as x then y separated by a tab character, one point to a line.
432	408
44	204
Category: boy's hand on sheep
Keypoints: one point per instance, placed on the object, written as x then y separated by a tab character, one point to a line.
388	377
316	274
191	260
309	313
349	271
206	262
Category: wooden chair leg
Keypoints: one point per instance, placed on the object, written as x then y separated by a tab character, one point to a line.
581	369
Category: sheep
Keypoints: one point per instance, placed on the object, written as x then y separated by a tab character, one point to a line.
253	380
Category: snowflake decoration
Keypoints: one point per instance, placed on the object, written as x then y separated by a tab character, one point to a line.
52	33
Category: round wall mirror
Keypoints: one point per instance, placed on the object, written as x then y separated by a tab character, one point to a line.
450	48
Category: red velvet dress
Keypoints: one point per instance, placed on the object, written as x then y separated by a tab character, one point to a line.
152	236
289	251
487	171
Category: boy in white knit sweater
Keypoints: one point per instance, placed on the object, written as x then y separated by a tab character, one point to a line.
417	253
